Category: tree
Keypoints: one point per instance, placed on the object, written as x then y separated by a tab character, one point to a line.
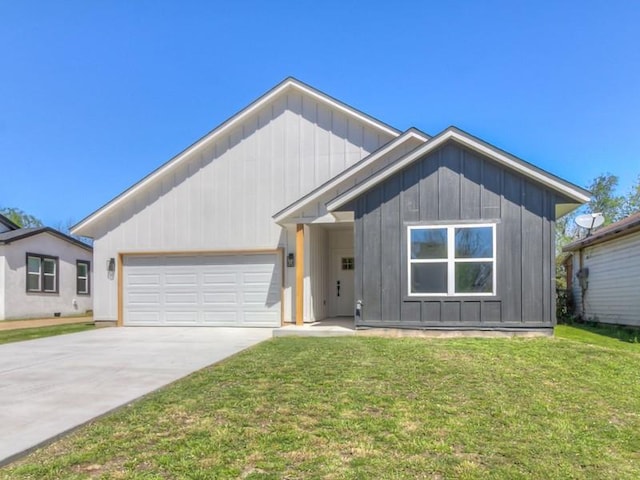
20	218
604	199
632	200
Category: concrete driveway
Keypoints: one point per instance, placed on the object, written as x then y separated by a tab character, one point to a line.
51	385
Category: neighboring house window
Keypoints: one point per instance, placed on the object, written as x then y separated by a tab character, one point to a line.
447	260
82	277
42	273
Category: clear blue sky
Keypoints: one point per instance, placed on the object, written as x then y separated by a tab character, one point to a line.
96	94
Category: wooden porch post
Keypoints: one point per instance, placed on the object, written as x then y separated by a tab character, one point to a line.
299	274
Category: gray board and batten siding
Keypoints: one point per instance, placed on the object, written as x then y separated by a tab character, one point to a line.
454	185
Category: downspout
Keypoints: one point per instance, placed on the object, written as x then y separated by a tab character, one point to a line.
583	284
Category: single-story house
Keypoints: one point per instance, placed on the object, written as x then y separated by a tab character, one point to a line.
300	208
603	271
43	272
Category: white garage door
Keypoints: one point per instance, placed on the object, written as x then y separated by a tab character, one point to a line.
202	290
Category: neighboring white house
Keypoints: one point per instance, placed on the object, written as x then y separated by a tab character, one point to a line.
604	273
235	230
43	273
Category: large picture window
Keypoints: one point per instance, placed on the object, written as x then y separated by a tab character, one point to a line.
82	277
452	259
42	273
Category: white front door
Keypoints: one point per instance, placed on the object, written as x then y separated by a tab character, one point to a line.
342	279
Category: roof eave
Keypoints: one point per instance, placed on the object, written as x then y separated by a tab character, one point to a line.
50	231
596	239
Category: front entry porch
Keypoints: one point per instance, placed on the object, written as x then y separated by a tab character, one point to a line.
325	286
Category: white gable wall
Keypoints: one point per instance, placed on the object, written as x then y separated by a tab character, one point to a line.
613	294
20	304
223	197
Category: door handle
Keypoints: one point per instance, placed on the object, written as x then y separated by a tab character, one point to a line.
338	287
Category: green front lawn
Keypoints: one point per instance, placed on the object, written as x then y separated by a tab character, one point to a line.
363	407
8	336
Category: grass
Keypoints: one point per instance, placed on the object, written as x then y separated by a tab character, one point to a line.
602	334
362	407
19	335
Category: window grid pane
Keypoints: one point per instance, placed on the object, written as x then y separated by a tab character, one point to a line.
49	266
49	283
429	243
429	277
33	265
474	242
474	277
33	282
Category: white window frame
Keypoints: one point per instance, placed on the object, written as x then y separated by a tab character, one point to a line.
34	274
86	278
42	274
451	260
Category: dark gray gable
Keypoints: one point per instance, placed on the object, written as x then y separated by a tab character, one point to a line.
451	185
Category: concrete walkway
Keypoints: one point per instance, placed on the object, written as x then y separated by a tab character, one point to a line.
42	322
330	327
51	385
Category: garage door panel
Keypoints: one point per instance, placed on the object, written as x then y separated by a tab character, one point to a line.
181	298
144	298
181	316
229	298
228	317
190	280
223	290
258	278
212	278
144	280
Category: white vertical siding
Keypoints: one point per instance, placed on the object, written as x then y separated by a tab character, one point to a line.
318	270
223	197
613	293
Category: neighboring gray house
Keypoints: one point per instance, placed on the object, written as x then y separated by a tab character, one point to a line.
299	207
42	272
603	273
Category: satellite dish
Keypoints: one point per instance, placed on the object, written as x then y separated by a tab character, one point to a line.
590	220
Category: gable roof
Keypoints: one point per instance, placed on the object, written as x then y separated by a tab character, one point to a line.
344	176
623	227
8	223
573	192
283	87
21	233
